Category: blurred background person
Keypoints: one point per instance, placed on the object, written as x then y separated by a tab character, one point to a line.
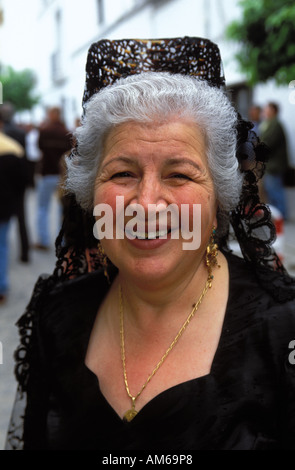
33	152
54	141
273	134
11	129
254	115
12	184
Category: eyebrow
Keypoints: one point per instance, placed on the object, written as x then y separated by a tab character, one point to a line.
169	161
118	159
177	161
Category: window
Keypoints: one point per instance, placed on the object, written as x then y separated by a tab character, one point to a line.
58	28
100	11
56	57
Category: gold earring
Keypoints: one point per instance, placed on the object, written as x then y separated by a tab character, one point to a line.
211	255
103	259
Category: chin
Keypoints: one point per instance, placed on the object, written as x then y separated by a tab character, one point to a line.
150	272
151	267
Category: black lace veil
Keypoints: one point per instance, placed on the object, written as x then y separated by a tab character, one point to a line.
76	246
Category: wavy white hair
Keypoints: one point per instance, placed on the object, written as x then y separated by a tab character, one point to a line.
152	97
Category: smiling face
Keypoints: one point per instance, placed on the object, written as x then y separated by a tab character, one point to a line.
159	163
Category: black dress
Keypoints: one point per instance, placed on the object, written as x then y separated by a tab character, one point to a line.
246	402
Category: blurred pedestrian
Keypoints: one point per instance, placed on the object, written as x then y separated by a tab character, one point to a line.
33	151
255	117
54	141
11	129
273	134
12	183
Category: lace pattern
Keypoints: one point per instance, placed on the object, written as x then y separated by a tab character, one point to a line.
110	60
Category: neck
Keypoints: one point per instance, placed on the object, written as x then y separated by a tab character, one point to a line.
161	303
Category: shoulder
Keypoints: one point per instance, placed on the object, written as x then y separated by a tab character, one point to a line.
65	315
73	295
73	303
256	312
264	288
10	146
57	322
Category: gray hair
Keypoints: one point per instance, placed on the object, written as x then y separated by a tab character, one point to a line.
158	96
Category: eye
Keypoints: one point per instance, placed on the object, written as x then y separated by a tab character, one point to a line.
180	176
122	174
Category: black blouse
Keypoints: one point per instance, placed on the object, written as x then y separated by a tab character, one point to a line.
246	401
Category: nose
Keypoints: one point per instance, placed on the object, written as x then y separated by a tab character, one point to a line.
149	191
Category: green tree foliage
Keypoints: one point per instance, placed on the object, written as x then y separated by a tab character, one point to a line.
18	87
266	36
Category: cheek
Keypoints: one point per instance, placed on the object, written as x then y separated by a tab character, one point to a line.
205	199
105	195
109	208
199	209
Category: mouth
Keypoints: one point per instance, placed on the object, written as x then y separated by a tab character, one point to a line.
153	235
150	235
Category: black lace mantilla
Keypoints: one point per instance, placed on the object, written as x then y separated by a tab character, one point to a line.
76	247
252	220
109	60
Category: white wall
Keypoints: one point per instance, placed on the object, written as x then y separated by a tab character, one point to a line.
35	41
168	19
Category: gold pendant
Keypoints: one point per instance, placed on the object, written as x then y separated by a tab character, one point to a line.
130	414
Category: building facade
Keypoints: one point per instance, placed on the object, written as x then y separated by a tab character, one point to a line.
61	32
67	28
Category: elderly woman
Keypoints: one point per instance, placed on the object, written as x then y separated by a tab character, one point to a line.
157	139
164	348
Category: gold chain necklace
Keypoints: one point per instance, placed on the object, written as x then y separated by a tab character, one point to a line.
131	413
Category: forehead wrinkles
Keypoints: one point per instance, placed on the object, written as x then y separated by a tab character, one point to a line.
171	139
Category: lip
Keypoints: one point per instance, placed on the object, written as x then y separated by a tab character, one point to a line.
149	244
144	233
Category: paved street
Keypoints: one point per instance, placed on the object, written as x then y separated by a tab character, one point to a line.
23	278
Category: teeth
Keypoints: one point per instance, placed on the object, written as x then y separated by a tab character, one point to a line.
151	235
